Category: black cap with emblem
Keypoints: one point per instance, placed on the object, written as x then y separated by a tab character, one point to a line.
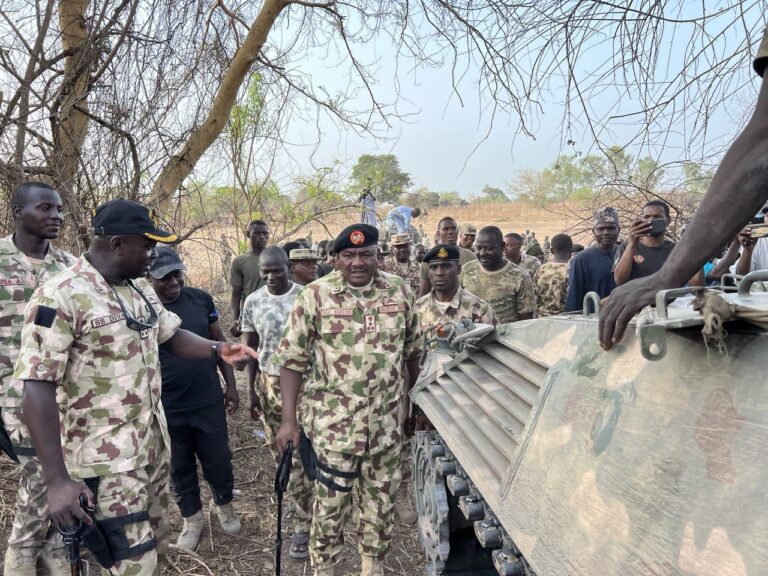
356	236
442	253
123	218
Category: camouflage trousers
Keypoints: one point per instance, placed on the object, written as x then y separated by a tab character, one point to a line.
300	488
32	526
145	489
375	488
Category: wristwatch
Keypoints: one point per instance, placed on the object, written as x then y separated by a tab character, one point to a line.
215	351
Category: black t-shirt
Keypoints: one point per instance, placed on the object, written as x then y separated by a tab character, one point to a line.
647	259
190	384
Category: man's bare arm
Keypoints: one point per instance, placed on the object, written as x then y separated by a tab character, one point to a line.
41	415
738	189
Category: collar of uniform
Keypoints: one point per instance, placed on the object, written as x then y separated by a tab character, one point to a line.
99	282
8	247
379	281
455	301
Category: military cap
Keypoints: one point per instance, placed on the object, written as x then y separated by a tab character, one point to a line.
167	261
400	239
303	254
442	253
607	215
356	236
470	229
123	217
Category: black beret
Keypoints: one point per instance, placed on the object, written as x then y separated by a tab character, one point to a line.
123	217
356	236
442	253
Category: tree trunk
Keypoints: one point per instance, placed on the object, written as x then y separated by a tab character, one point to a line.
200	139
72	126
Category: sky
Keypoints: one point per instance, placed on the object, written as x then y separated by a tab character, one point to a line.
447	144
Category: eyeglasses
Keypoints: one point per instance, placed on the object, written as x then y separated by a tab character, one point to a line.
132	322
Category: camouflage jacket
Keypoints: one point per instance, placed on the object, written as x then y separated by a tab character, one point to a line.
75	336
464	305
530	264
351	344
551	288
509	291
408	272
18	280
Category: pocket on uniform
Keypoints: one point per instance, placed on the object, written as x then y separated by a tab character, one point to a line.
117	434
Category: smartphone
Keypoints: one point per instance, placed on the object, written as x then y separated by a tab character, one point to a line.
658	226
760	231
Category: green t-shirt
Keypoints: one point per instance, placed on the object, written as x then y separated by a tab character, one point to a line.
245	274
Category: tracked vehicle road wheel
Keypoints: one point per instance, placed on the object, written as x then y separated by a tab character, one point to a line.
431	501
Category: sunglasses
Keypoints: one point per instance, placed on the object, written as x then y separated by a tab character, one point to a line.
132	322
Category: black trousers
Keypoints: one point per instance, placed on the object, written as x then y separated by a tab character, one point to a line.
200	434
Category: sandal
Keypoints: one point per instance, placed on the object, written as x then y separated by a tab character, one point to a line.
299	546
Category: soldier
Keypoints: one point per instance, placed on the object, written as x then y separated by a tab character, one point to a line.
552	278
513	251
265	314
467	238
400	263
27	259
447	233
91	338
448	301
350	336
302	263
244	276
420	251
506	287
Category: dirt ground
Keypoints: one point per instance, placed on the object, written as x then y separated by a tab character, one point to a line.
251	553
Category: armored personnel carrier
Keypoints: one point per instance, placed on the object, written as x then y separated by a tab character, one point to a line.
549	456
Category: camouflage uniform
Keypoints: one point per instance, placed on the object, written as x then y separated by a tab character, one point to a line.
530	264
20	277
113	424
352	344
408	271
266	314
551	288
509	291
464	305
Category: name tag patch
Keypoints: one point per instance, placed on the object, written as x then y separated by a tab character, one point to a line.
11	282
344	312
392	309
104	320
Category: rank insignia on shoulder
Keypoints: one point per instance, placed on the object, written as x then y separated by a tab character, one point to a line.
45	316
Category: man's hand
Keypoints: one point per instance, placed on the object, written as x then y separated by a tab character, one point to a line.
621	306
64	501
289	432
638	229
746	240
231	400
234	330
237	355
256	409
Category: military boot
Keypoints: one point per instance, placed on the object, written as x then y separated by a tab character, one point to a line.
20	561
372	566
761	58
404	505
230	523
191	532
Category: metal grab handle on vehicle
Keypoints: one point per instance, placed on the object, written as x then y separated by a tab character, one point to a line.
663	298
594	298
746	283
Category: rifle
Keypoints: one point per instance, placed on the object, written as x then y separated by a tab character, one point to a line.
73	537
282	477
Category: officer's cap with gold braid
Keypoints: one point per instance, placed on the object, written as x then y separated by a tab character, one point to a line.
123	218
442	253
356	236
